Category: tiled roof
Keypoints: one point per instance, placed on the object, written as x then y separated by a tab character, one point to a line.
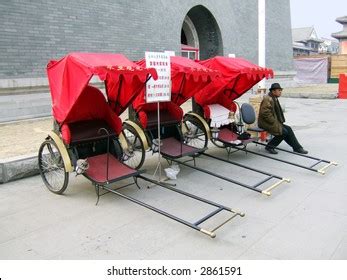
301	34
340	35
300	46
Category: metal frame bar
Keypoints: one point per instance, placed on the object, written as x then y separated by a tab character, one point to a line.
321	170
98	194
266	192
195	225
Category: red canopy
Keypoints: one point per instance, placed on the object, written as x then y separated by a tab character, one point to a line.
187	77
70	75
238	76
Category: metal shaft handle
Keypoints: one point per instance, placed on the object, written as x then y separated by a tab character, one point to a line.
269	189
322	170
212	234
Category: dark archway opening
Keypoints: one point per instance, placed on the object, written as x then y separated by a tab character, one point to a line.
183	38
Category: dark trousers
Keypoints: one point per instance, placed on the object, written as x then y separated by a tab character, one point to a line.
288	136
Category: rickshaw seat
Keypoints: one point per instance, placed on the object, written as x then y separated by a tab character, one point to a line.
231	106
117	170
90	113
248	113
173	148
249	117
231	138
165	118
89	130
170	113
218	114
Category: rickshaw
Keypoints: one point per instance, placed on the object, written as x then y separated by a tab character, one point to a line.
88	137
187	77
239	76
188	135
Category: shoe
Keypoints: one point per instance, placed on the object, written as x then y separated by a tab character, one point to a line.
271	150
301	151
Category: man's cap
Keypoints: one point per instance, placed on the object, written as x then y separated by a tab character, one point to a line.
275	86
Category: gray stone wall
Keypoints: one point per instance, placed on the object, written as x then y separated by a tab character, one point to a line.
32	32
279	51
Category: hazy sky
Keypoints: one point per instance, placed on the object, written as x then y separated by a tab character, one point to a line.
319	13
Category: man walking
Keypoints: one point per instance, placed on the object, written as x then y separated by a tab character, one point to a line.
271	119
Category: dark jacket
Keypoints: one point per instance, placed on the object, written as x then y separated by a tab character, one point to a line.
271	115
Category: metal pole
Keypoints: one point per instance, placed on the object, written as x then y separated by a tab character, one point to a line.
218	176
186	194
152	208
159	142
281	160
294	153
243	166
158	168
208	216
261	37
108	149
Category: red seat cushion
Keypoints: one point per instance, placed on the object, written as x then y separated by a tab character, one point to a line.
97	170
172	148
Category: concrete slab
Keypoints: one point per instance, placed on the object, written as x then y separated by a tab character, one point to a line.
341	250
17	249
252	254
305	219
305	234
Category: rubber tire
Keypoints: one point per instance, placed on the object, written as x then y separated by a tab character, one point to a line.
142	149
49	143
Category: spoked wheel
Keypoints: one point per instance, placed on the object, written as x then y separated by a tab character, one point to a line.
195	134
52	167
134	156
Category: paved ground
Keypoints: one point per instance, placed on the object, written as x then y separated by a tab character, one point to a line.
306	219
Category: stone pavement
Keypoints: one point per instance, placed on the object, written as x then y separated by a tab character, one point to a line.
305	219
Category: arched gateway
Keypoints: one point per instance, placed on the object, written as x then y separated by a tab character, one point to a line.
200	35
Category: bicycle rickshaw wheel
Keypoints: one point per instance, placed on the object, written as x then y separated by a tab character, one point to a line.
196	134
52	168
135	155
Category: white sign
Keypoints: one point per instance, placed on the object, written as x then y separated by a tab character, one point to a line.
159	90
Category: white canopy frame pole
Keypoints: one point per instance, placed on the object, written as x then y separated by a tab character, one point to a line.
261	38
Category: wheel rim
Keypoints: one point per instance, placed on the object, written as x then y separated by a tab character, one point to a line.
134	155
52	167
195	135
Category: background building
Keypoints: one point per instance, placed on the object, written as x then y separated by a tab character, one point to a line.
342	35
305	41
329	46
33	32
